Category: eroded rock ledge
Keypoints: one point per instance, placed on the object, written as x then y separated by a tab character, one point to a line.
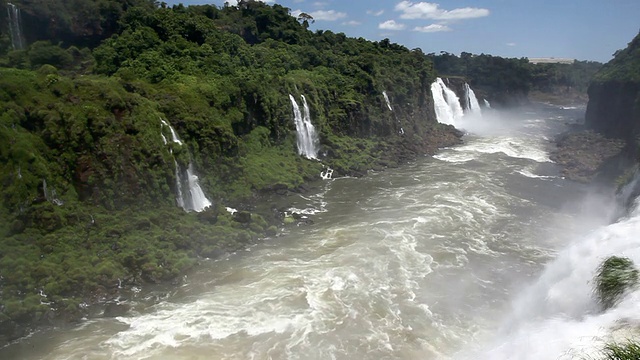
583	153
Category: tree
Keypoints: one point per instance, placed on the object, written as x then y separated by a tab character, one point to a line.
304	18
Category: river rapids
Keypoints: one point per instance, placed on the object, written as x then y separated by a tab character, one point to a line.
480	252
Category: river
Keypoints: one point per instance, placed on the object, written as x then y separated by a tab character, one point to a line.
456	256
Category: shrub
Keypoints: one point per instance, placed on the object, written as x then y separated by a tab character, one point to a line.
43	52
626	351
615	276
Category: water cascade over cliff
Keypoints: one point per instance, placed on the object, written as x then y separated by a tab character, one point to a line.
473	107
386	99
15	27
447	104
50	194
189	194
305	131
559	316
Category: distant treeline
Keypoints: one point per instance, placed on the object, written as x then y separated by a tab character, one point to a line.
516	75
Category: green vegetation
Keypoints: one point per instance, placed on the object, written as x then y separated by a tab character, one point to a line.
615	276
625	66
81	108
614	98
626	351
81	111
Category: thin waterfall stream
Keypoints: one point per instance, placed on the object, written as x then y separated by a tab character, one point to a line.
469	254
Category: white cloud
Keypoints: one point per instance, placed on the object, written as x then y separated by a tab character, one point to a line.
320	4
375	13
426	10
511	44
391	25
352	23
327	15
432	28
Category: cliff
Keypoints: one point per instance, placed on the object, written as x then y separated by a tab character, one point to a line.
614	97
613	112
89	169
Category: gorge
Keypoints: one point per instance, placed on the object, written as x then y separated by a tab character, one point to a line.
337	210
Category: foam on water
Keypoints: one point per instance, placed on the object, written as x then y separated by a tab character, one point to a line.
529	174
453	156
414	262
514	147
363	295
557	316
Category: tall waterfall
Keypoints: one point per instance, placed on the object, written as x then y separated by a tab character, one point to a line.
189	194
15	27
447	103
473	107
386	99
305	131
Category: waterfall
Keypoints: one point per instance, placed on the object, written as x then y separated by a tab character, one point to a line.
386	99
50	194
189	194
174	135
558	314
486	103
15	27
473	107
305	131
447	104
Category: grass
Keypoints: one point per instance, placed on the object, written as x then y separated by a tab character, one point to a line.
621	351
615	276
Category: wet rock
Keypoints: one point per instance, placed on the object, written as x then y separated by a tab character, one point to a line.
243	217
113	309
582	154
209	215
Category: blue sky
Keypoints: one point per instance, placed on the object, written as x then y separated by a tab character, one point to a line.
577	29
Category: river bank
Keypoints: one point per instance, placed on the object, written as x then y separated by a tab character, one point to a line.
159	245
411	261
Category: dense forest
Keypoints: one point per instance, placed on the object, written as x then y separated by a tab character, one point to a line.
89	187
510	81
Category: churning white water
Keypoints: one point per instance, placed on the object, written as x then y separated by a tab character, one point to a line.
482	252
307	138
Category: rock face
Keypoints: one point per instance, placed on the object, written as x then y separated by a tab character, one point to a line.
614	108
583	154
611	141
614	97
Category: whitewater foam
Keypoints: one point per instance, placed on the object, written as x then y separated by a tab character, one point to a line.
514	147
557	317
